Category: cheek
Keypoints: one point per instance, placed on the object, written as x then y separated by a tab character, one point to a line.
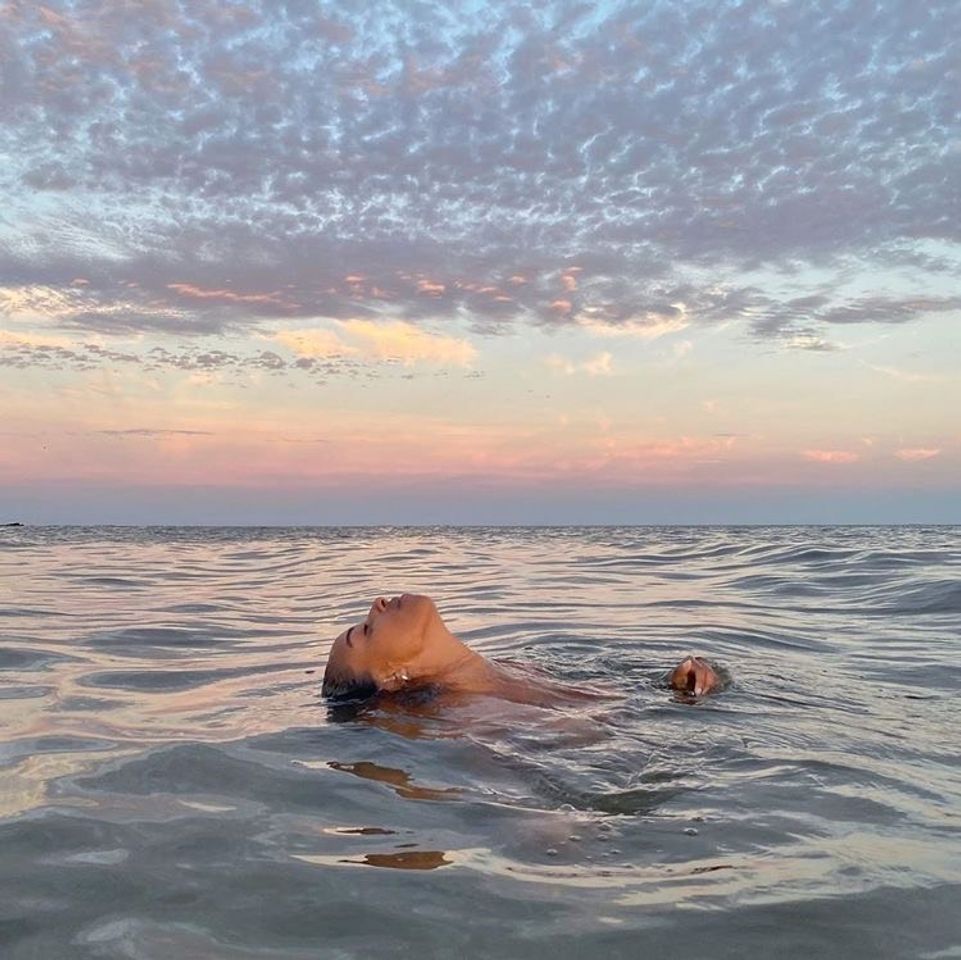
386	641
400	638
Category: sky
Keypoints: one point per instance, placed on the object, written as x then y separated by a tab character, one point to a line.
416	262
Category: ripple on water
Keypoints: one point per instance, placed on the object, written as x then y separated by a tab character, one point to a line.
171	783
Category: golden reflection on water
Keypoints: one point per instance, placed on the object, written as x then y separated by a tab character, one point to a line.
24	786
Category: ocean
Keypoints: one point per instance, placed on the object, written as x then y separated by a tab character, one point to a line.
173	785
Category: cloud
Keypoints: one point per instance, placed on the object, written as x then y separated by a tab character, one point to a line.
150	432
113	308
651	327
34	301
801	322
209	166
313	343
598	365
914	454
22	352
29	340
906	376
272	299
379	341
810	341
399	340
354	345
888	309
832	456
23	349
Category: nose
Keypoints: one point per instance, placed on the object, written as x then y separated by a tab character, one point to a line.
379	605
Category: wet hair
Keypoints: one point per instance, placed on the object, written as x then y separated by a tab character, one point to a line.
418	696
344	686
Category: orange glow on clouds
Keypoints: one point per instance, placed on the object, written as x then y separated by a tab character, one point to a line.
230	296
647	327
395	340
7	338
34	301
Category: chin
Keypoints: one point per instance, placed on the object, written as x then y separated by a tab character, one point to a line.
416	602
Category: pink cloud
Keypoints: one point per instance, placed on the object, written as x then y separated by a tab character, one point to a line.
430	287
230	296
832	456
914	454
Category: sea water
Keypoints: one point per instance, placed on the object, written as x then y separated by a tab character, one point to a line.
172	784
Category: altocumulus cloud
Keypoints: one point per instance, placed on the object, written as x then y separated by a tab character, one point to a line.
196	169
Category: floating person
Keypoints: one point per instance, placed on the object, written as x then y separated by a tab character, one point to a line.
404	646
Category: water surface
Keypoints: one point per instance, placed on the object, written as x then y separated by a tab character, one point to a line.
172	784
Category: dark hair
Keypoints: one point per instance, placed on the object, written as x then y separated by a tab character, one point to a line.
343	686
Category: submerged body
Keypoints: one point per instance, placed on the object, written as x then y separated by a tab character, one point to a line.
404	644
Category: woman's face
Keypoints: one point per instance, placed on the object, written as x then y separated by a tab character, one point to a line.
393	633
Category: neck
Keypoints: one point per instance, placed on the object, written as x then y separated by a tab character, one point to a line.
452	664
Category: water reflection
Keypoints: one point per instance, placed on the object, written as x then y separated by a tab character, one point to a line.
399	780
362	831
405	860
413	717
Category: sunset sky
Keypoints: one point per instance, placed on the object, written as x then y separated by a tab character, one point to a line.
420	262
